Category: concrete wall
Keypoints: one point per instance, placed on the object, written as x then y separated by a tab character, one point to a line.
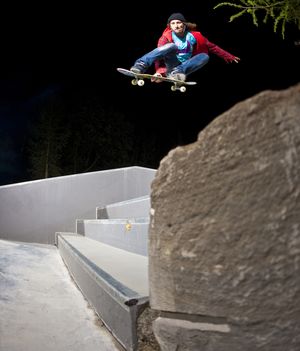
34	211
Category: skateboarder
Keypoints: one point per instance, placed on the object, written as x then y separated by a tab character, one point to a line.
180	51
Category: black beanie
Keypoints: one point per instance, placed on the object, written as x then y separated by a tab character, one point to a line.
176	16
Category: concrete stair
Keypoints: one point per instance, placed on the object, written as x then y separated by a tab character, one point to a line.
127	234
133	208
108	259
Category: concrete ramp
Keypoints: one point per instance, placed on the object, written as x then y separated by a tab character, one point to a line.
41	307
114	281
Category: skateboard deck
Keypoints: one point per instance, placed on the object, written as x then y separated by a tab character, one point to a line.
138	79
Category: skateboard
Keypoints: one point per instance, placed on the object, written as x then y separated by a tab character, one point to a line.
138	79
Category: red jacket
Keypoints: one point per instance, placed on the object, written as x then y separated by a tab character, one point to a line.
202	45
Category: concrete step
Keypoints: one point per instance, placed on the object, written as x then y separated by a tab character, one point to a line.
130	234
137	207
114	281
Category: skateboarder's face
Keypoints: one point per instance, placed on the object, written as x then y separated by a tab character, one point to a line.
178	27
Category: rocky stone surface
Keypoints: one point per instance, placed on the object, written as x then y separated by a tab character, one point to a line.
146	338
225	232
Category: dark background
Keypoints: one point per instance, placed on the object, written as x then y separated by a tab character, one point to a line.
74	50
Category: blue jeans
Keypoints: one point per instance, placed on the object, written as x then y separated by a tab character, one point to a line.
167	53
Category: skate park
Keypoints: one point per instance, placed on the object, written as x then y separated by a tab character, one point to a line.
74	265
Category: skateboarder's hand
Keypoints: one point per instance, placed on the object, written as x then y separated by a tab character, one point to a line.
232	59
156	79
235	59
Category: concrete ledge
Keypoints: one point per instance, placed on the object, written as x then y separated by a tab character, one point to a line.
114	281
138	207
130	235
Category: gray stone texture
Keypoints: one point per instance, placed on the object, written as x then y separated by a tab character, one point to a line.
225	229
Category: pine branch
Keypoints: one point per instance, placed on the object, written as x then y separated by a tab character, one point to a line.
281	12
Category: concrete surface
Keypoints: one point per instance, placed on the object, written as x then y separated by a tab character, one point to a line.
128	268
137	207
41	307
114	281
44	207
130	235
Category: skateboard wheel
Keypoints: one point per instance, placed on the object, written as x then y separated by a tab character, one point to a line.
173	88
134	82
182	89
140	82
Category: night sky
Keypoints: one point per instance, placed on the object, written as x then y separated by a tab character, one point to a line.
49	49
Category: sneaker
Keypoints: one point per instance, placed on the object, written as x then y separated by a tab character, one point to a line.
139	67
178	76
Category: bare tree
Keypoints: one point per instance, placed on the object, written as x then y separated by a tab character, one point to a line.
47	142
